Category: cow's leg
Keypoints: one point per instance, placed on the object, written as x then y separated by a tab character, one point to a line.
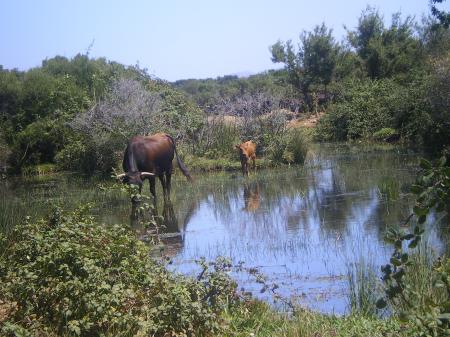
162	178
168	183
254	163
153	188
243	164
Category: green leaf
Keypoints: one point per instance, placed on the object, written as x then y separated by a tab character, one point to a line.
404	257
407	236
444	316
403	317
416	189
381	303
425	164
398	275
420	210
418	230
396	262
413	243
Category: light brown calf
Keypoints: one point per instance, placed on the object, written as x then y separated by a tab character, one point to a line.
247	151
251	198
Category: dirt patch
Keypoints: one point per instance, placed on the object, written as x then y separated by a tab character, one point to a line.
225	119
7	309
305	122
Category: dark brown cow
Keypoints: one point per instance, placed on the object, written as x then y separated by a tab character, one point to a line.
148	156
247	151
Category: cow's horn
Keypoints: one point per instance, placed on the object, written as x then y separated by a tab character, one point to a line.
120	176
146	174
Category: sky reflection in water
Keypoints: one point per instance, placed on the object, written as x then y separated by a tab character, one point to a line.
304	227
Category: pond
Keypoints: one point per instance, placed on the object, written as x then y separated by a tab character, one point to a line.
307	228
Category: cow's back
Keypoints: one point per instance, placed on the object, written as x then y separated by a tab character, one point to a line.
250	148
149	154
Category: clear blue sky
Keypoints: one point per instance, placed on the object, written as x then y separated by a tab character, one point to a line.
174	39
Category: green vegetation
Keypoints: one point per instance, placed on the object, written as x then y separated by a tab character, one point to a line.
69	275
78	113
419	290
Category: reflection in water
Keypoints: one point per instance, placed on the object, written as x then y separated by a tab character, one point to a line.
251	196
166	226
301	226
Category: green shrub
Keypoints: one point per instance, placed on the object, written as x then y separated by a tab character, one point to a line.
418	290
77	156
69	275
384	134
39	170
288	148
297	144
365	108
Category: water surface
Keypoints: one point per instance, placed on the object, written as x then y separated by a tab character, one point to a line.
305	227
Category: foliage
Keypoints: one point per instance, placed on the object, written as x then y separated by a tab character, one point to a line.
258	319
296	146
384	134
385	51
429	316
70	275
442	16
433	188
364	288
313	63
437	98
365	108
80	156
211	94
80	112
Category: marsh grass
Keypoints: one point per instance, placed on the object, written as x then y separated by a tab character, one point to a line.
422	279
364	288
258	319
389	189
36	196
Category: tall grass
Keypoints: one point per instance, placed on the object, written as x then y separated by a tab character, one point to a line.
421	280
363	288
273	138
258	319
36	196
10	213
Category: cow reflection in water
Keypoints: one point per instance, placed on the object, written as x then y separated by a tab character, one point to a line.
166	226
251	197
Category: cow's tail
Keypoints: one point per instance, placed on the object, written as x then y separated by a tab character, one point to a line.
182	167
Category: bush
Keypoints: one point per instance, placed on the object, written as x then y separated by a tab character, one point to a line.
39	170
297	145
385	134
69	275
365	108
77	156
289	148
420	291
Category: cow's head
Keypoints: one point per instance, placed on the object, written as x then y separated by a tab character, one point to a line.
134	178
242	152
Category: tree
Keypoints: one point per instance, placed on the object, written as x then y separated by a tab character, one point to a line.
442	16
313	63
386	52
126	111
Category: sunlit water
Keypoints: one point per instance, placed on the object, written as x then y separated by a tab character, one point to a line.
305	227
